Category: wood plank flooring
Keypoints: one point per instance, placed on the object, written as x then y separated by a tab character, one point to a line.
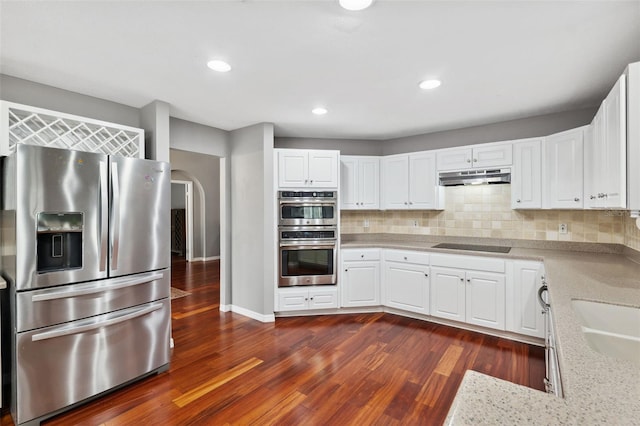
362	369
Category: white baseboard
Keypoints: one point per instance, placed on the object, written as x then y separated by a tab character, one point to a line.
225	308
253	315
205	259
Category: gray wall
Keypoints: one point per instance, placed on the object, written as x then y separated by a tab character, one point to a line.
177	196
205	170
345	146
542	125
42	96
253	205
194	137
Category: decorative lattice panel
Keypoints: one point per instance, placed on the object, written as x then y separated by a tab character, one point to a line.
35	126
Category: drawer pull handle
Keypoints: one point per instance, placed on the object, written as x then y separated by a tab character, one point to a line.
81	329
123	283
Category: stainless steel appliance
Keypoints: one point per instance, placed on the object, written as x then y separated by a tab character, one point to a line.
475	177
307	208
86	255
307	255
552	381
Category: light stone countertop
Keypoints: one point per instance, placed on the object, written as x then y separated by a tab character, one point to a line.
597	389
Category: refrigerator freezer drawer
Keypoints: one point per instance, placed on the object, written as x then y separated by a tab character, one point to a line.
62	365
43	308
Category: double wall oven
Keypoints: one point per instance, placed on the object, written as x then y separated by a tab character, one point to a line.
308	235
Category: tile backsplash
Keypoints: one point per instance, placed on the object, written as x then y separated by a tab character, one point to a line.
485	211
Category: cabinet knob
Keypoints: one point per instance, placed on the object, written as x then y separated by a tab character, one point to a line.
405	203
592	197
576	199
461	279
601	195
311	181
518	200
306	298
306	181
362	256
468	160
475	160
468	280
405	258
410	202
426	275
346	270
311	298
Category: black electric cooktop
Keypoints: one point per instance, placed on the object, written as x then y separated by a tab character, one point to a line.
473	247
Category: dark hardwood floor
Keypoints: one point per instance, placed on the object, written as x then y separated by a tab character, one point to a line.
327	370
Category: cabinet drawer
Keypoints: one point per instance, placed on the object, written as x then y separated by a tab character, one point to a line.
475	263
406	256
360	254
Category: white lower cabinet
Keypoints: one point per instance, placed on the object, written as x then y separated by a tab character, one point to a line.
524	313
472	296
448	293
360	278
303	298
485	299
406	281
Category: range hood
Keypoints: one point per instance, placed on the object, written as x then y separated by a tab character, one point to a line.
475	177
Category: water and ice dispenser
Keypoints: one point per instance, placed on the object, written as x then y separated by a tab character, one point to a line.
59	241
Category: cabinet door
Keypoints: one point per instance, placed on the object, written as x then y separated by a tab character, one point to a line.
323	169
454	159
349	183
522	295
563	170
492	156
422	181
396	182
323	298
292	299
448	293
293	168
485	299
593	167
361	284
407	287
526	176
369	183
615	143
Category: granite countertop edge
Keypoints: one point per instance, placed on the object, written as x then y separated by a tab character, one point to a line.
608	273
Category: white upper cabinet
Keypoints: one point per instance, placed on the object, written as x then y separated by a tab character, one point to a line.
487	155
526	176
359	182
410	182
633	136
302	168
563	177
605	157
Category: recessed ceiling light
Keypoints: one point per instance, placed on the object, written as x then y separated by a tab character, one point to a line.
355	4
319	111
220	66
430	84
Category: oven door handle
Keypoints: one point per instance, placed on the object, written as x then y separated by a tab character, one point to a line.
542	302
309	203
309	246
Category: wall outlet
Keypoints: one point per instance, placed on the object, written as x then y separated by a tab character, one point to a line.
415	223
563	228
366	223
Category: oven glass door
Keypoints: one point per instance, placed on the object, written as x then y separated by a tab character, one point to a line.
307	265
308	214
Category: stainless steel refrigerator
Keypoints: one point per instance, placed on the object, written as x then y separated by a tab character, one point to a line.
86	253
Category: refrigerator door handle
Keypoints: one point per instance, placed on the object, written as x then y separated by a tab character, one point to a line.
114	285
83	328
104	215
115	216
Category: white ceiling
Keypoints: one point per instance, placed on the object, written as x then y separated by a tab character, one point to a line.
497	60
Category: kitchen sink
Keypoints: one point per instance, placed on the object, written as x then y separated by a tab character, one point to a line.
611	330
